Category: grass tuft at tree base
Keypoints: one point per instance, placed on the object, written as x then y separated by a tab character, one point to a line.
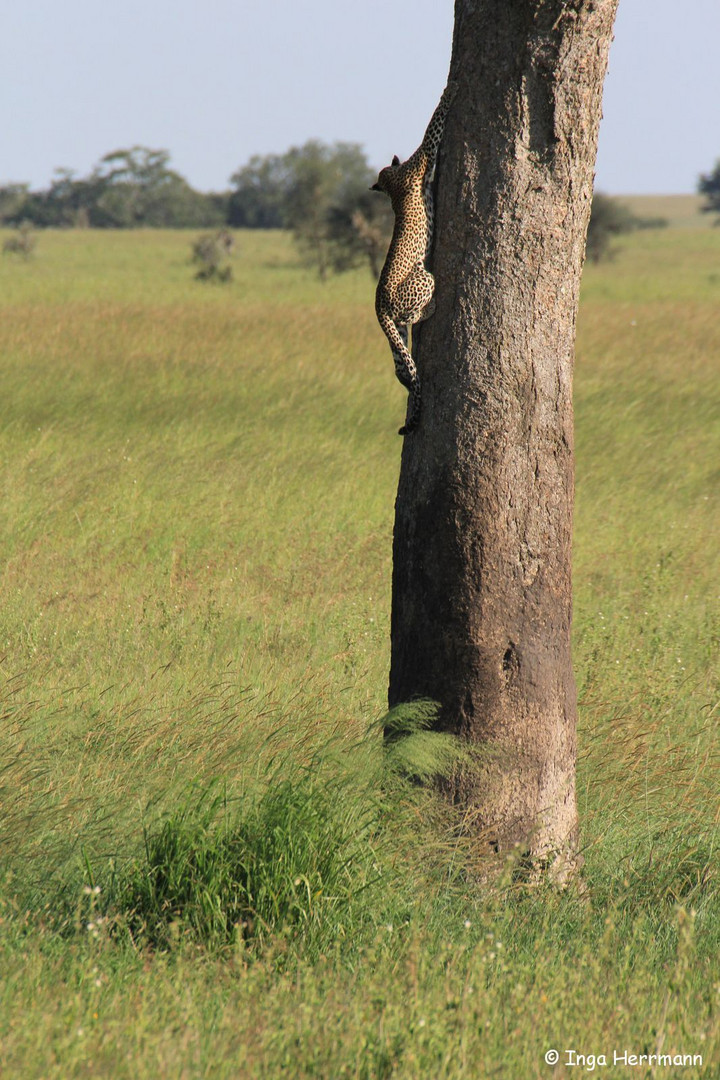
308	857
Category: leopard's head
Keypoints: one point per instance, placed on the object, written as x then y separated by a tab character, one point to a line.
387	178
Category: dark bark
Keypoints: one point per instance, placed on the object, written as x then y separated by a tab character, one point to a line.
482	547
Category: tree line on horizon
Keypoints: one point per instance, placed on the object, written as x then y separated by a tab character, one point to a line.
318	191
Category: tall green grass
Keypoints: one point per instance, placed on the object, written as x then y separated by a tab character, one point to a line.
197	486
308	853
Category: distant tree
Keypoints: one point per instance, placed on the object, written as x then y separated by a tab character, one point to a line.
608	219
136	187
323	178
259	200
315	190
127	188
210	253
65	203
218	203
709	186
12	199
360	232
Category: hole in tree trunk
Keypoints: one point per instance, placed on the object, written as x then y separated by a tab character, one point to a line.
510	662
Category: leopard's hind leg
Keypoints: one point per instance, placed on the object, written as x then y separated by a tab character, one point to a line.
413	302
412	414
397	335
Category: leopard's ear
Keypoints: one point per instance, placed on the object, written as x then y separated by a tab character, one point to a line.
395	160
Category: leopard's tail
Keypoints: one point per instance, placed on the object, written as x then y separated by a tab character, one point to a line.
434	133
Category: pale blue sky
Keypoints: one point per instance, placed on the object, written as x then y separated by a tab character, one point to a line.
215	81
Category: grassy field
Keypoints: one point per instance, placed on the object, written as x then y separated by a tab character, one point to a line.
197	493
680	211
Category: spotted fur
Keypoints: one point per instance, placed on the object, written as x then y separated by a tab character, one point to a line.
405	290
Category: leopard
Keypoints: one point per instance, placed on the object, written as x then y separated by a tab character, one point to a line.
405	290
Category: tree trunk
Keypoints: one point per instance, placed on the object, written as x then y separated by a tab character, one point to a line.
481	607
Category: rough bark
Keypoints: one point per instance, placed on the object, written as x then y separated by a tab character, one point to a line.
481	607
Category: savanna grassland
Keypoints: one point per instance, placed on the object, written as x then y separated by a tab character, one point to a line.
208	867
